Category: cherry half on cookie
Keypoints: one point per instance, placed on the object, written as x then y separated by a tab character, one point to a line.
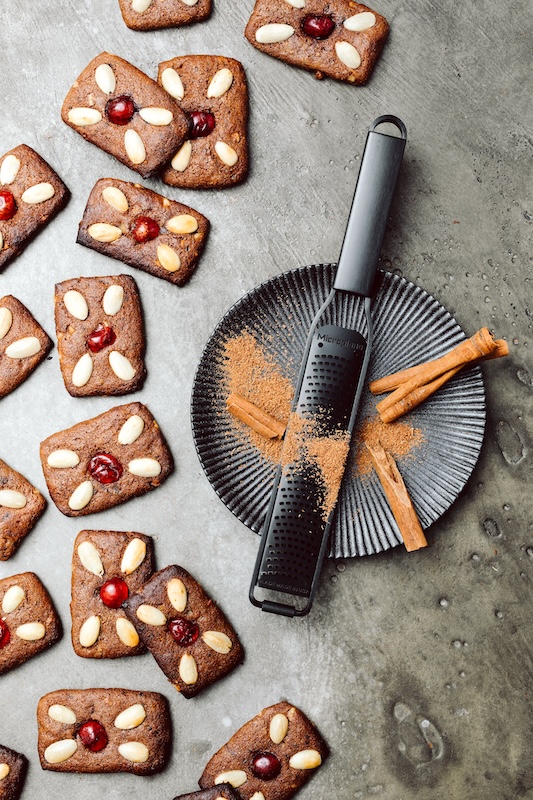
144	229
318	26
266	766
201	123
105	468
120	110
5	636
114	592
183	631
93	735
101	337
7	205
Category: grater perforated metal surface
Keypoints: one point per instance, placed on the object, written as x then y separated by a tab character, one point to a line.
300	514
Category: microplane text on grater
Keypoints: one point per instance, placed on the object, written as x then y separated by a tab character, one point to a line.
300	512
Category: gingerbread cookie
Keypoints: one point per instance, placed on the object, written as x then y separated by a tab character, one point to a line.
212	91
28	623
23	344
189	637
341	39
31	193
149	15
104	461
223	791
107	566
21	505
143	229
124	112
271	756
13	768
103	730
100	335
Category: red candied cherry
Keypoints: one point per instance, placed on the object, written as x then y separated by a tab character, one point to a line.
113	592
120	109
7	205
105	468
101	337
183	631
144	229
201	123
266	766
93	735
318	26
5	636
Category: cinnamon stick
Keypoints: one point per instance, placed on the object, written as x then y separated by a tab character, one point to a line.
255	417
417	396
478	346
391	382
398	498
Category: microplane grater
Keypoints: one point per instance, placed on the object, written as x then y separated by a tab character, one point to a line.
295	534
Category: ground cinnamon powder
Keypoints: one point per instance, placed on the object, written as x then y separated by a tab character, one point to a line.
398	438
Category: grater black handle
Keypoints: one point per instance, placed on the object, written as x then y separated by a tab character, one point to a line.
380	165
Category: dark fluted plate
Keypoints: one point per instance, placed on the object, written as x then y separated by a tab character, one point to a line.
410	326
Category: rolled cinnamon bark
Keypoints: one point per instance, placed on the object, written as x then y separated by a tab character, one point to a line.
255	417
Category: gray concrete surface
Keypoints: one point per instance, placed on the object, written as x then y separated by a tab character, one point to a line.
400	650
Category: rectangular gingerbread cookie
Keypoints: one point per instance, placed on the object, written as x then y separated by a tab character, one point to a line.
21	505
213	92
106	460
23	344
107	566
341	39
143	229
118	108
271	756
29	622
100	335
223	791
31	194
187	634
149	15
104	730
13	768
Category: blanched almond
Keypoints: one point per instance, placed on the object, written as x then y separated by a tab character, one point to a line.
217	641
273	32
360	22
296	3
63	459
182	223
133	557
81	496
116	199
144	467
10	498
90	631
60	751
181	160
62	714
31	631
102	232
140	6
188	669
131	430
172	83
131	717
236	777
126	632
226	154
347	53
150	615
12	598
105	78
258	795
121	366
76	304
306	759
90	558
84	116
9	169
137	752
189	2
6	321
134	147
279	725
168	258
23	348
156	116
177	594
81	374
113	299
4	771
220	83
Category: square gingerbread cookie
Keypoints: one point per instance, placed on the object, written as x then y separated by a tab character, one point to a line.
23	344
106	460
143	229
213	93
149	15
341	39
29	622
100	335
21	505
104	730
31	194
118	108
272	755
13	768
187	634
107	566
